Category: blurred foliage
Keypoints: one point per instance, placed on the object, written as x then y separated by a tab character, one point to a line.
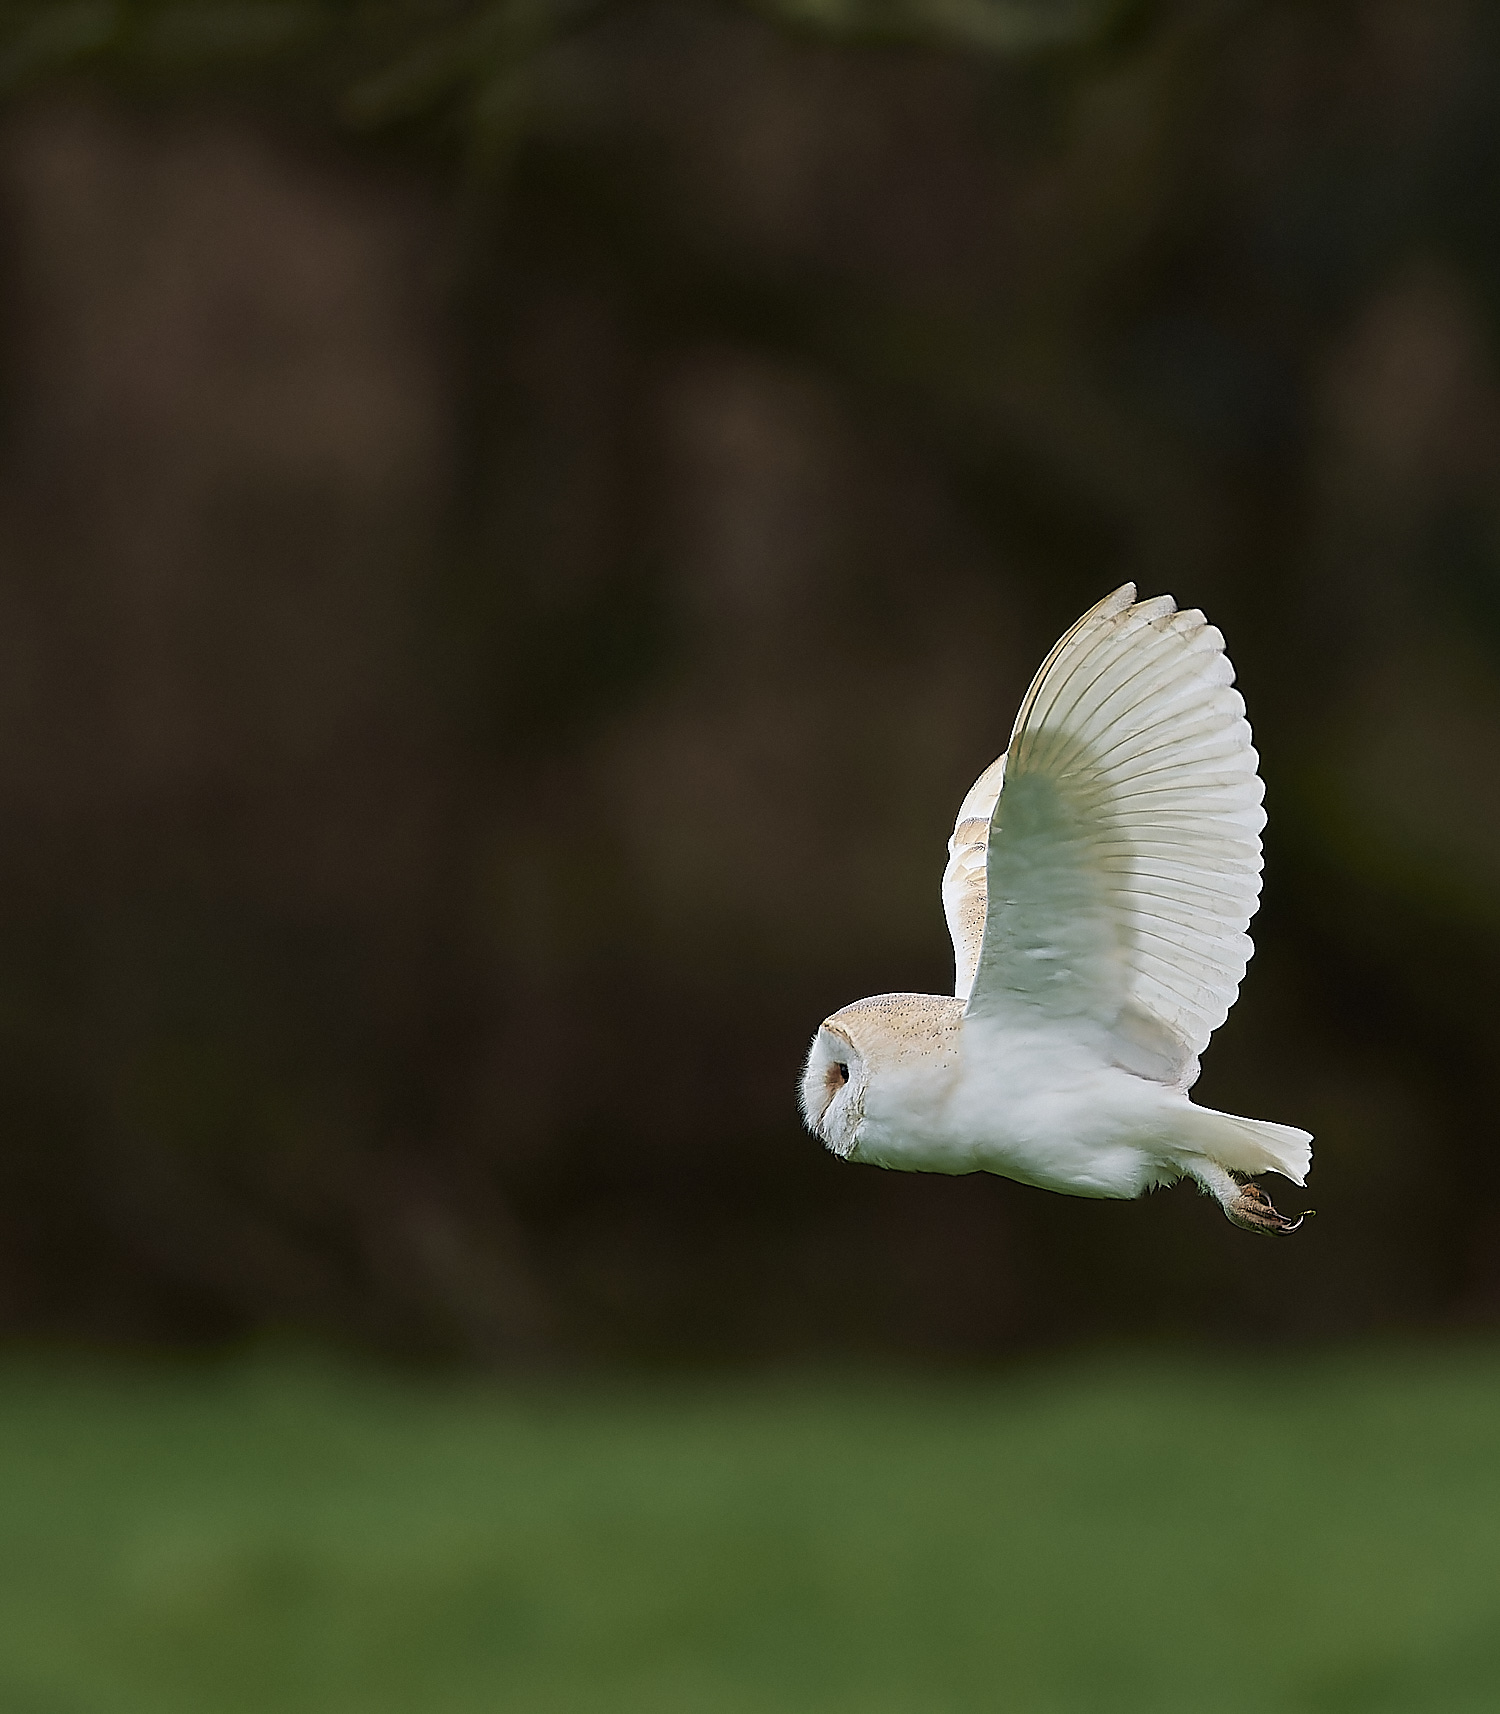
460	63
485	673
1155	1539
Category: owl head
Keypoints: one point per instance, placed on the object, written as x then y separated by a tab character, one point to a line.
876	1064
833	1088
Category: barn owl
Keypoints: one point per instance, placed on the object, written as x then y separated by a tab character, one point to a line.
1100	879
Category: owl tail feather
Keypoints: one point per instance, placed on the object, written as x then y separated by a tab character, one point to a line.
1245	1145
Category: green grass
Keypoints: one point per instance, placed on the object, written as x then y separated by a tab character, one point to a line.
1319	1536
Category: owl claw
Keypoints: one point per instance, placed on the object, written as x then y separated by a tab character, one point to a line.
1253	1210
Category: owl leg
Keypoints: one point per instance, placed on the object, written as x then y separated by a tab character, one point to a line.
1245	1204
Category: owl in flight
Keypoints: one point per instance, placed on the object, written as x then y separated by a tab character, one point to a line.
1100	879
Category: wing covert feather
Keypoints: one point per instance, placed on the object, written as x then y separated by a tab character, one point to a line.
964	880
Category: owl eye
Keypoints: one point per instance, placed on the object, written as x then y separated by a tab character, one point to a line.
843	1071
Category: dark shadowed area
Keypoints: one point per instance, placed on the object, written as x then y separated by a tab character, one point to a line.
515	536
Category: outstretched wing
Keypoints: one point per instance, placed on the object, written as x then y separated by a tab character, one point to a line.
1123	860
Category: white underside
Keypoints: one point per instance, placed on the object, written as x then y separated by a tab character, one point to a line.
1046	1107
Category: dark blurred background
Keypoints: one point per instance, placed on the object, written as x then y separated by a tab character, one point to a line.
520	521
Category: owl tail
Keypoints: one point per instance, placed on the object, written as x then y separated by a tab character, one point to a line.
1245	1145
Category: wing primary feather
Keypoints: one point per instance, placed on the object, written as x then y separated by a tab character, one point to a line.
1151	689
1208	723
1034	747
1115	602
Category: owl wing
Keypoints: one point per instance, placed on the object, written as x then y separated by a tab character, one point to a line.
1123	860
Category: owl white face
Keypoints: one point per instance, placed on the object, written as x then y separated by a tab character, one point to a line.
833	1090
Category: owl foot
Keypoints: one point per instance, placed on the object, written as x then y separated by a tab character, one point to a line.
1253	1210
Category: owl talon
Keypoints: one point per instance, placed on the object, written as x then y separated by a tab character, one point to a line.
1254	1211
